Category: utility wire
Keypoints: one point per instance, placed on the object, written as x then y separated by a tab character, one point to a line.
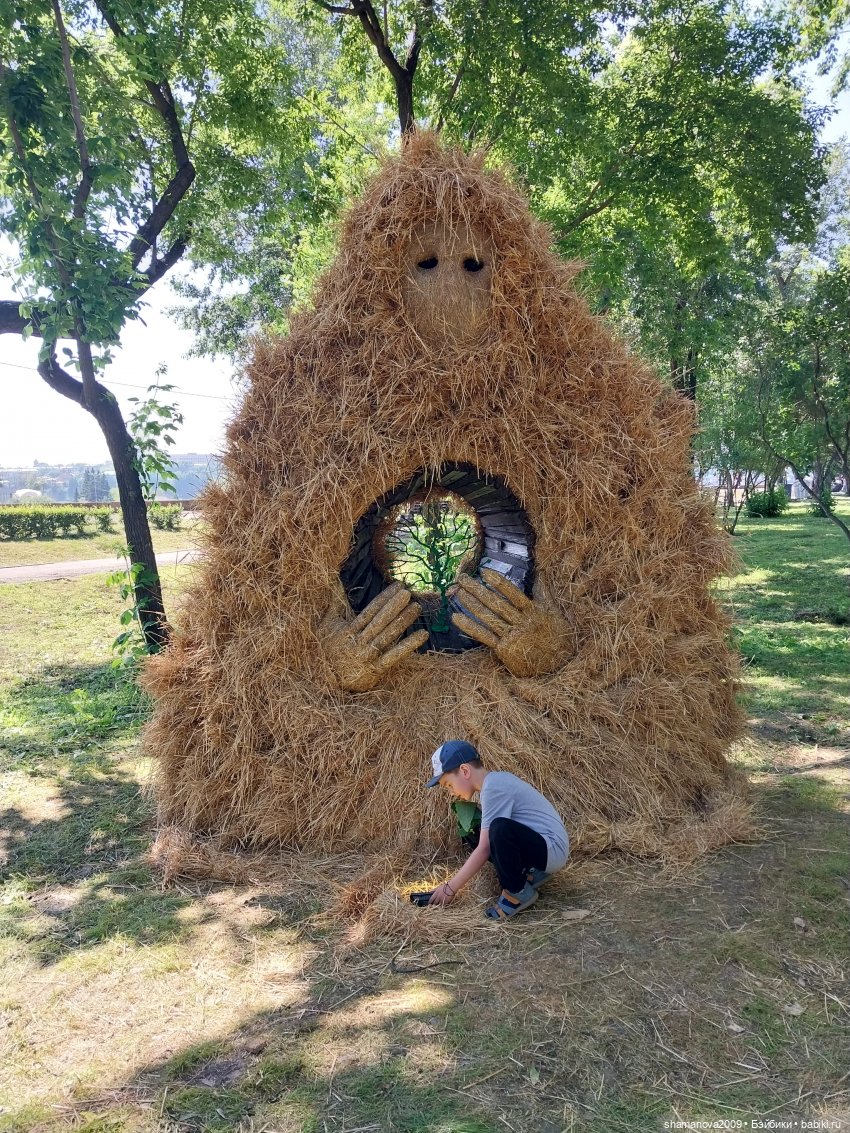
127	385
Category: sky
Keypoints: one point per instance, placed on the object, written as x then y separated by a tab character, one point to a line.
38	424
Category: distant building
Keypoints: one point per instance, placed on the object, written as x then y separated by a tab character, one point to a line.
94	483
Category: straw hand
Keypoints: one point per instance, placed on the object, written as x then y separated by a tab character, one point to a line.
528	639
363	650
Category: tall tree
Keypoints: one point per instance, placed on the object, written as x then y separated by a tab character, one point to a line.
123	121
798	344
667	144
256	259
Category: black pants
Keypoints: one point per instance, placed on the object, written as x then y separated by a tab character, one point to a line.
514	849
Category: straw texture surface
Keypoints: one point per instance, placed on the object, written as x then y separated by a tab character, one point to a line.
282	718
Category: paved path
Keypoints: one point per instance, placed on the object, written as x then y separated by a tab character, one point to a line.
47	572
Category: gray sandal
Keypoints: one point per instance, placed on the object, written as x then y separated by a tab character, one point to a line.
509	904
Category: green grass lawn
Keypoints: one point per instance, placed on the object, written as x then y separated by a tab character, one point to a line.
98	545
791	604
716	993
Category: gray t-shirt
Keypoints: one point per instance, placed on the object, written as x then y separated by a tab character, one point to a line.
504	795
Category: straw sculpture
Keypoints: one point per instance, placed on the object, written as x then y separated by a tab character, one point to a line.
448	351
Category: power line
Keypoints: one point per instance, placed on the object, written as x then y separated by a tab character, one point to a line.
127	385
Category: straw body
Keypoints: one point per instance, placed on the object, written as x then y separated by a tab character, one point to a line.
263	730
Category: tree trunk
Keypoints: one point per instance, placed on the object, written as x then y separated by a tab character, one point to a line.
135	514
684	374
817	477
683	371
404	97
97	400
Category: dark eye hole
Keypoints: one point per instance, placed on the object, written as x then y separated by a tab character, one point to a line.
471	264
431	262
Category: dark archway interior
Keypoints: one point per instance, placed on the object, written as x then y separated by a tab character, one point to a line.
508	544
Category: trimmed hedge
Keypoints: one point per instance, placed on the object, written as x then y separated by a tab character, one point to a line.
104	517
44	522
41	522
166	517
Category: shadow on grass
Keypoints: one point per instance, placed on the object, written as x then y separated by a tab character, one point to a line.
290	1070
797	794
76	877
372	1049
73	834
794	571
65	536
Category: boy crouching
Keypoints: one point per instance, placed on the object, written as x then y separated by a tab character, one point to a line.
521	832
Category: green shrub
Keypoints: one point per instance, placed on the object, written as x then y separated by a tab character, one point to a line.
828	501
41	522
64	521
67	517
166	517
13	524
24	522
766	505
104	517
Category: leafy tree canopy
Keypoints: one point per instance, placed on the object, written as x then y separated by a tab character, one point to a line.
656	138
100	147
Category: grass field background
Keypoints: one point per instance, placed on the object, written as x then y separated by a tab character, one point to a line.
719	992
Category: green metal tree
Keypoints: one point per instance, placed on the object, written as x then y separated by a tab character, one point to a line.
427	547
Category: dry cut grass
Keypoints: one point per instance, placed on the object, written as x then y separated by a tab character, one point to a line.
631	995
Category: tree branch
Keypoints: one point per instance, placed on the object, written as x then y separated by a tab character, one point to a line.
413	50
178	186
13	322
337	9
586	214
160	266
402	74
84	188
20	148
372	26
162	212
323	114
60	380
64	272
446	107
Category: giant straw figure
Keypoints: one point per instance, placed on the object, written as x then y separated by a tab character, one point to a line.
448	368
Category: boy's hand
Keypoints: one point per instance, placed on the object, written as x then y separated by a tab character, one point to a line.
442	895
362	651
528	639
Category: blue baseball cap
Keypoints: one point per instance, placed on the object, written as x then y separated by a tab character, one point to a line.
449	756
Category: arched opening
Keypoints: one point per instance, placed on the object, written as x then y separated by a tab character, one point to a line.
428	530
